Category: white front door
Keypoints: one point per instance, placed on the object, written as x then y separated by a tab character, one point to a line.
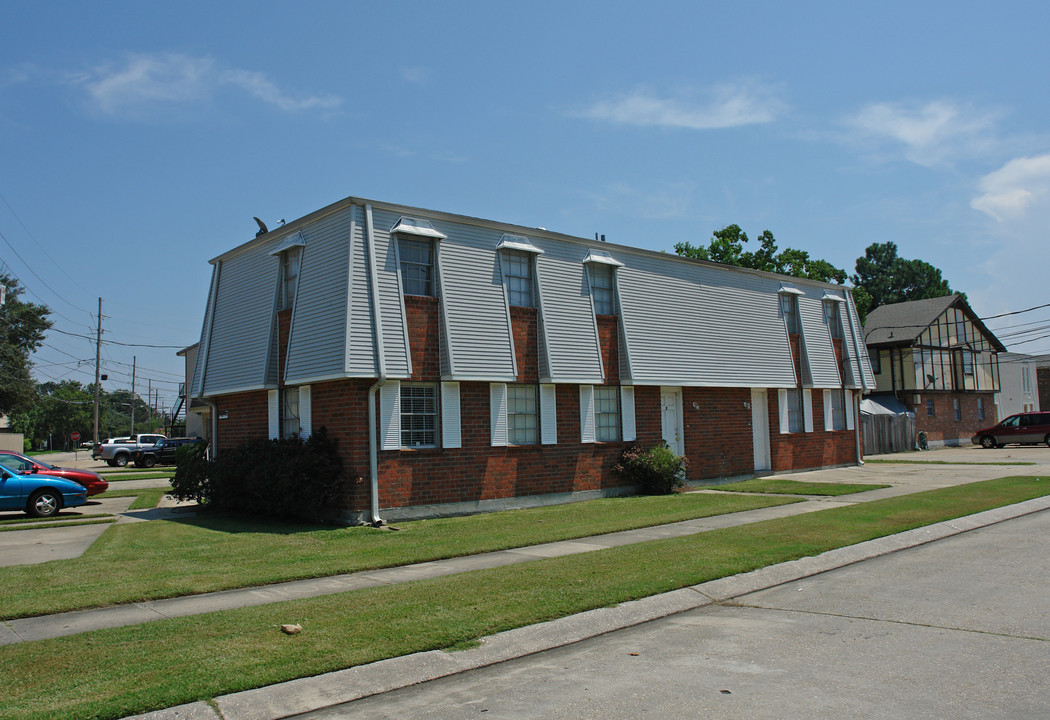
760	428
671	418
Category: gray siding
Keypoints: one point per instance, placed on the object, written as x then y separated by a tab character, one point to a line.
573	352
860	362
244	315
361	348
202	348
820	352
474	304
317	338
698	325
395	331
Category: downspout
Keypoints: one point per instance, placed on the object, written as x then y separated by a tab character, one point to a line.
213	448
377	328
856	426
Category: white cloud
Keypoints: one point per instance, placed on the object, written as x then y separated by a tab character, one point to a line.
151	82
1017	188
723	106
932	134
415	75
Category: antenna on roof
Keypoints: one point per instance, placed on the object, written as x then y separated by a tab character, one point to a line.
262	227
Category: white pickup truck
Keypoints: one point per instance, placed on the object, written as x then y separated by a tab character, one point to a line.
120	453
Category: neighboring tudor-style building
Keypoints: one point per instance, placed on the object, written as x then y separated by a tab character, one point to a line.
937	358
459	362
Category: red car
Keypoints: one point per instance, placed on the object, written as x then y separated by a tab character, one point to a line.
16	462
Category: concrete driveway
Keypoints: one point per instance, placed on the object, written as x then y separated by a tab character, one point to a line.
959	628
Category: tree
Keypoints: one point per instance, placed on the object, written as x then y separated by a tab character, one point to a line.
22	328
727	247
883	278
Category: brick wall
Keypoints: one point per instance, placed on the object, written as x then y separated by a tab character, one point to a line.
421	315
609	340
525	328
718	440
808	450
241	417
943	428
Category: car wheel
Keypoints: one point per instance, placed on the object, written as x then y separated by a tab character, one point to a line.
44	503
149	461
111	463
1047	440
121	460
988	442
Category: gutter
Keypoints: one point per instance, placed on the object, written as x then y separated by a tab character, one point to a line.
377	328
856	427
213	448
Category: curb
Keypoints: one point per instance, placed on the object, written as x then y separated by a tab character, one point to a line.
322	691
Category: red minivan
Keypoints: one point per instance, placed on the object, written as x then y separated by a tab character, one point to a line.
1028	428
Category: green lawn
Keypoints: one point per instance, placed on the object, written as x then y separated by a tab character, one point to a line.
140	561
117	672
145	498
121	475
794	487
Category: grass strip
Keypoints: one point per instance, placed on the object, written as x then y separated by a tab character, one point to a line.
941	462
67	523
145	498
117	672
793	487
57	518
133	562
121	475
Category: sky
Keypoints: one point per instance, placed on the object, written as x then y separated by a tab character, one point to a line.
138	140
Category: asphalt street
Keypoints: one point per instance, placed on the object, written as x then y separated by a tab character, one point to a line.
958	628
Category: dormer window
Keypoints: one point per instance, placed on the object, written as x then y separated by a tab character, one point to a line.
416	240
833	319
516	256
290	253
601	274
789	311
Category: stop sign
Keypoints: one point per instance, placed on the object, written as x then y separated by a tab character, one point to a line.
74	436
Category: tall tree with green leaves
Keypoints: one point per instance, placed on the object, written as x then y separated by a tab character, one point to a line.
727	247
882	278
22	328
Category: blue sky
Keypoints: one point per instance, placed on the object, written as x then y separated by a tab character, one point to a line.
137	140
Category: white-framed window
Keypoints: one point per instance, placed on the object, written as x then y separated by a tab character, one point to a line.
417	266
838	410
522	414
796	422
789	311
290	424
957	407
980	408
967	362
601	277
607	413
833	318
517	267
419	414
290	260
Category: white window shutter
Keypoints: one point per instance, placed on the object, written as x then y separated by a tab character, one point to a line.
849	409
548	415
807	410
273	408
782	407
498	413
305	423
586	413
451	432
627	413
829	421
390	415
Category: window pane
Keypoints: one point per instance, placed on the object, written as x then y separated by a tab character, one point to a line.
522	417
289	412
417	263
601	276
794	398
606	413
418	414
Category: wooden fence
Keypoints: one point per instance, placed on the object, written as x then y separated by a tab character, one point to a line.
887	433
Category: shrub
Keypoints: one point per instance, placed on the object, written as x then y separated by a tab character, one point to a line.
653	471
191	472
289	477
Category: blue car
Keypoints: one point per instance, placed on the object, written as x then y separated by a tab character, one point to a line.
38	495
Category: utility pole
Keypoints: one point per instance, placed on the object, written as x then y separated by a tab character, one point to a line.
133	363
98	364
149	403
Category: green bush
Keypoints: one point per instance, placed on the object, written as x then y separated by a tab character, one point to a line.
287	478
653	471
191	472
